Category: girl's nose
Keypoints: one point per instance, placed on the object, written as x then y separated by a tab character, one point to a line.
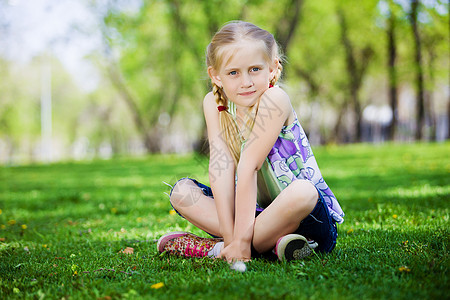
247	81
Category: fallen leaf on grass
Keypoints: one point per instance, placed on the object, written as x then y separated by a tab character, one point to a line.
127	250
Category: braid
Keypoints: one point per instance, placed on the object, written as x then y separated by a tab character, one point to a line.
220	99
278	74
229	130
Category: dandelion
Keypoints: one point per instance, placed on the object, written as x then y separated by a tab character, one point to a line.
395	216
75	273
172	212
114	210
24	226
3	226
404	269
139	219
1	211
350	231
12	222
157	285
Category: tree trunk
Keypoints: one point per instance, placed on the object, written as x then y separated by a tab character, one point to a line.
313	86
392	71
288	23
337	137
448	100
355	70
429	99
420	110
150	145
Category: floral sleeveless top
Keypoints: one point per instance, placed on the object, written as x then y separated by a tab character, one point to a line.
291	158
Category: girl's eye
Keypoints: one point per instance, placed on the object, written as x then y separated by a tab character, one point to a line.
233	73
255	69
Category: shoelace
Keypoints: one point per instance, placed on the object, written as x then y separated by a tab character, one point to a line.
194	251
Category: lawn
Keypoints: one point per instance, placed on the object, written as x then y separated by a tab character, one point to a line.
86	230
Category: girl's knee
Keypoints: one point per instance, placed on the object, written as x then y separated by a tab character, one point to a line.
307	195
180	195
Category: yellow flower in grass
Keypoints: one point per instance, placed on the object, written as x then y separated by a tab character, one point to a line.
157	285
12	222
1	211
350	231
404	269
114	210
172	212
24	226
3	226
395	216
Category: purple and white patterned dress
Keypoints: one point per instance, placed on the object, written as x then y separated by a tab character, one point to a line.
291	158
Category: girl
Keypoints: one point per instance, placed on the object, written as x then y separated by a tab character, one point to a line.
259	158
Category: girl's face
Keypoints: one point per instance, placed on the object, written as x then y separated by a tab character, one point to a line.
245	73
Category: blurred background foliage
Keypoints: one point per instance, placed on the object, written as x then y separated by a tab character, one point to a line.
356	71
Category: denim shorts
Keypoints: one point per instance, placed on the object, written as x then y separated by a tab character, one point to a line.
320	227
317	226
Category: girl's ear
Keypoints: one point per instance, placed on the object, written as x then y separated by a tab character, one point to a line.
214	75
274	68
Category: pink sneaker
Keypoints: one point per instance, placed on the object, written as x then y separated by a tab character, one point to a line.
186	244
293	246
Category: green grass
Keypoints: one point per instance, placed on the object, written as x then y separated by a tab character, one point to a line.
63	227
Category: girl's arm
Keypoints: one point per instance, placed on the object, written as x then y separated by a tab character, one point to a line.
274	110
221	170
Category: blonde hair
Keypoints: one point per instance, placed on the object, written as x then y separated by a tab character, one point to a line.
233	32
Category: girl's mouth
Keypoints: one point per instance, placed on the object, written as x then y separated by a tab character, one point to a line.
247	93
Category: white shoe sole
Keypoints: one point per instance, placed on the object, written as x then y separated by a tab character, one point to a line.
293	247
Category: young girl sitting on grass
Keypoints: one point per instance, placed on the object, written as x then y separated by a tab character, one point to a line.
267	193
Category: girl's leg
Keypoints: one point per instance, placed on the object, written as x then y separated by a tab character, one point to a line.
284	214
190	201
281	217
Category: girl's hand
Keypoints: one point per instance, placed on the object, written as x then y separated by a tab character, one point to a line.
236	251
